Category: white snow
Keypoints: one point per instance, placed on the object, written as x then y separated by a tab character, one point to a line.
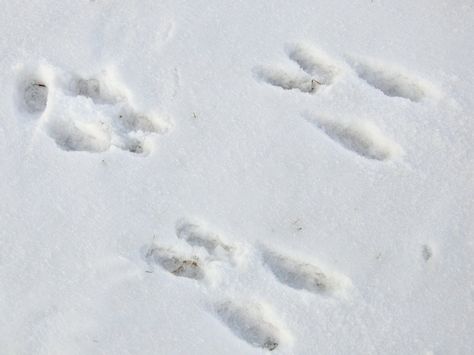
236	177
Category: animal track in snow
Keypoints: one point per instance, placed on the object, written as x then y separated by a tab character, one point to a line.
197	236
176	264
299	274
35	96
361	137
392	81
252	322
89	115
88	88
316	70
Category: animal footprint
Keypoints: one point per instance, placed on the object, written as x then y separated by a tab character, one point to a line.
253	323
360	137
316	70
303	275
35	96
175	263
392	81
197	236
88	114
88	88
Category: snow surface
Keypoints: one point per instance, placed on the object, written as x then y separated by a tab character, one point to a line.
236	177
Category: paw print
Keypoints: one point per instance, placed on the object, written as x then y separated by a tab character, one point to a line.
87	114
313	72
254	321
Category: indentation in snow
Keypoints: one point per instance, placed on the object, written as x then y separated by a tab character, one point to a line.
361	137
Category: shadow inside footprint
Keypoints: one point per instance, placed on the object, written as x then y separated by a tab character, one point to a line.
35	96
197	236
393	81
303	275
316	70
134	122
296	274
314	62
87	115
135	146
80	136
176	264
250	323
286	80
92	89
361	137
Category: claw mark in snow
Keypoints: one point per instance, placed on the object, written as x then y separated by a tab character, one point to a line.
361	137
253	323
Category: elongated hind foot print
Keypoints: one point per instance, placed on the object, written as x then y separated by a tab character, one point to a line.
302	275
361	137
80	136
393	81
253	323
315	70
198	236
178	265
314	62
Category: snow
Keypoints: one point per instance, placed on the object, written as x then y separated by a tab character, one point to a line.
242	177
